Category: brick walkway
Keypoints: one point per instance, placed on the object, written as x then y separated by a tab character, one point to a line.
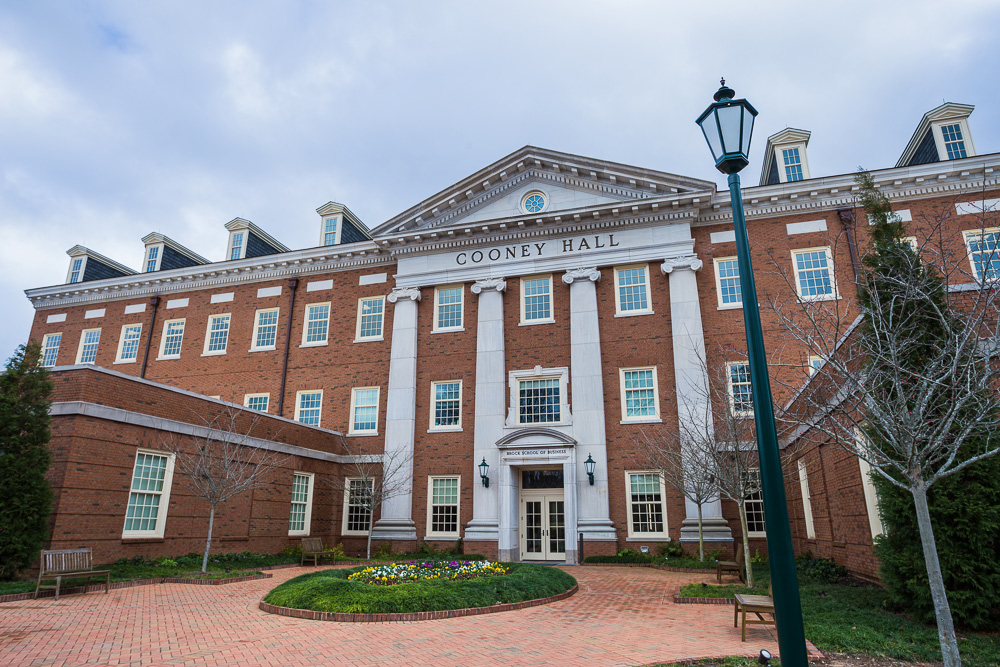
621	616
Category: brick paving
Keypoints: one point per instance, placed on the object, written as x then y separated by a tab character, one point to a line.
621	616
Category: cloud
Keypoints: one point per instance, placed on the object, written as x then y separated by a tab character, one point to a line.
27	92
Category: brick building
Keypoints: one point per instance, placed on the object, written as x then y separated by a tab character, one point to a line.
536	316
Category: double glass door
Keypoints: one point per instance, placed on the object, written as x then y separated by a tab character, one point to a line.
543	525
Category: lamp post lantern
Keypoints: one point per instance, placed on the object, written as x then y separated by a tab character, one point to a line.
728	125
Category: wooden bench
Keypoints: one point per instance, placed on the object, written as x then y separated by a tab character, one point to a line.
62	564
738	566
754	604
312	547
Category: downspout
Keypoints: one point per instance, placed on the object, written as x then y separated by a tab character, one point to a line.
154	302
846	216
292	284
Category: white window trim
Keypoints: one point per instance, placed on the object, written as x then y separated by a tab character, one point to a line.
378	401
347	496
83	337
305	325
83	269
243	245
307	525
121	344
430	507
807	509
256	328
939	143
718	285
760	490
552	311
649	293
445	429
45	347
357	326
966	235
164	505
834	295
267	395
875	525
298	404
437	293
163	339
538	373
813	358
655	419
337	234
628	506
534	191
208	335
779	159
729	389
158	260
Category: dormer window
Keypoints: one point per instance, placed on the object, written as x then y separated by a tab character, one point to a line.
942	134
793	164
330	231
785	159
76	270
153	259
953	141
236	243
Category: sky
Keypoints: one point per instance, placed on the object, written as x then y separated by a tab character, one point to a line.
122	118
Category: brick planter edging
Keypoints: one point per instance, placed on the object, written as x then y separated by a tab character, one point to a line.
654	566
682	600
96	588
411	616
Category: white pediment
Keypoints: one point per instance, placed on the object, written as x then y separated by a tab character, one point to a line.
556	197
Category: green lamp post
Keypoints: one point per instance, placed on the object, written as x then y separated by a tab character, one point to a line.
728	126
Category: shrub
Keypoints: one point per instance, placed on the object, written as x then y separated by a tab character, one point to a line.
671	549
821	569
623	556
337	550
384	551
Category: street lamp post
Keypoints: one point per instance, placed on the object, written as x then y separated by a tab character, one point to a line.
728	126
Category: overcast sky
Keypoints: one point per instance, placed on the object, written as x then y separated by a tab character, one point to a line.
122	118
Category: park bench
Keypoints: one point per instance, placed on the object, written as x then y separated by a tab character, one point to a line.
738	565
62	564
753	604
312	547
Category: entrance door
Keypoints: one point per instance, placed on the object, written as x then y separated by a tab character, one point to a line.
543	525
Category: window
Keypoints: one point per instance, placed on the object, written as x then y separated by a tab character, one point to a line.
639	394
300	517
539	401
868	487
740	390
953	141
813	277
983	253
536	300
370	313
727	282
50	349
218	334
330	228
646	513
265	329
442	510
89	340
807	510
357	506
308	405
533	202
149	496
446	405
317	329
236	245
364	410
153	259
448	308
128	344
76	270
258	402
173	336
793	164
754	505
630	286
815	363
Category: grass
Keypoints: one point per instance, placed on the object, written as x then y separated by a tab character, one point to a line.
330	591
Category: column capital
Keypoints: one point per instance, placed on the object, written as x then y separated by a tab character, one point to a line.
487	284
683	262
397	293
583	273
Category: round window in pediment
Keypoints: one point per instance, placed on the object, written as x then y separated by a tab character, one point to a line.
533	202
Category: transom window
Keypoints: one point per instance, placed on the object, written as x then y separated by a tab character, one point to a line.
173	336
149	495
75	270
258	402
630	285
793	164
300	516
446	408
740	389
443	508
218	334
152	259
330	231
371	311
953	141
265	329
236	246
448	307
639	394
536	299
539	401
50	349
364	410
813	276
317	328
308	406
534	202
357	506
754	505
128	344
645	505
89	341
984	253
727	276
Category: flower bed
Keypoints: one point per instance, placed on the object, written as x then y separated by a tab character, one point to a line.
397	573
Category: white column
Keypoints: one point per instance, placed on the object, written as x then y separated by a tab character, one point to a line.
691	382
396	522
593	516
491	384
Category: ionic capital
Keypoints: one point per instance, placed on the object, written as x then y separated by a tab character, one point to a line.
397	293
487	284
581	274
683	262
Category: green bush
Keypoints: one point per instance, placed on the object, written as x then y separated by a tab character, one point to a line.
671	549
820	569
623	556
384	551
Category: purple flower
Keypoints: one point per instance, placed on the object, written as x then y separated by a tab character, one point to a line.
453	563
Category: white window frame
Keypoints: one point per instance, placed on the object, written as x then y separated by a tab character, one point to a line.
347	497
298	405
730	385
121	344
82	269
208	334
514	379
967	237
779	159
807	509
437	306
430	507
83	337
623	395
338	220
552	313
939	143
164	503
158	247
256	329
759	499
815	363
648	310
305	325
163	338
633	534
46	347
833	274
434	401
247	398
242	247
307	523
358	338
718	284
354	395
875	524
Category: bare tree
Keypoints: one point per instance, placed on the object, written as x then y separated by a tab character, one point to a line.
909	383
225	462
